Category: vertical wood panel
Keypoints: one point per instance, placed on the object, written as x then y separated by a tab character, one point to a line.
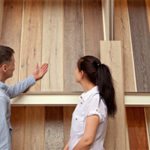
93	26
34	128
147	120
11	31
122	32
137	129
52	49
148	12
31	39
141	43
112	55
127	139
18	125
54	128
1	14
73	41
67	116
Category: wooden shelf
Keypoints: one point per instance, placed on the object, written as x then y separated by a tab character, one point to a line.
137	99
67	99
45	98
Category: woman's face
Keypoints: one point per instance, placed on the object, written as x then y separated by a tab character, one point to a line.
78	75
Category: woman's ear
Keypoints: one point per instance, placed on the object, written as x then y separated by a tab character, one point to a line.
82	74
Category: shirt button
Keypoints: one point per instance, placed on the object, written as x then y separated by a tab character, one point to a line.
96	109
81	103
76	118
80	96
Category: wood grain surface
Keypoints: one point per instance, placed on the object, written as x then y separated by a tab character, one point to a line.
54	128
34	133
73	41
112	55
141	43
18	124
11	32
67	116
1	14
93	26
52	45
137	129
31	43
122	32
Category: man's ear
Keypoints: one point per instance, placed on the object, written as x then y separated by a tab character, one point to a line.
4	67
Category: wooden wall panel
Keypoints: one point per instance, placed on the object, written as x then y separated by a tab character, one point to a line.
18	125
93	26
147	120
141	43
73	41
112	55
122	32
147	2
54	128
137	129
1	14
11	31
34	128
67	116
52	45
31	44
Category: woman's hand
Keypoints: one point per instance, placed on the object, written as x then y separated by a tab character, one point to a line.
67	145
40	71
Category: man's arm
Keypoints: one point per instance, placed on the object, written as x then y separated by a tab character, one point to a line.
22	86
4	128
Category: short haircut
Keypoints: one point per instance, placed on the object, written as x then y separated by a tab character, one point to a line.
6	54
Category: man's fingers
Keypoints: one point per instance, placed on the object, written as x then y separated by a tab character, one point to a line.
37	66
44	66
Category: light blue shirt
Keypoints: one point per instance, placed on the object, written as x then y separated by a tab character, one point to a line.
6	93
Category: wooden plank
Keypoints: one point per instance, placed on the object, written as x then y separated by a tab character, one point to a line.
18	125
34	128
111	55
1	15
11	31
31	39
106	18
54	128
67	116
73	41
52	49
141	43
122	32
93	26
148	11
147	120
127	140
137	128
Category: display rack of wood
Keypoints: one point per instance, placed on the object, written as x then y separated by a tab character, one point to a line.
71	98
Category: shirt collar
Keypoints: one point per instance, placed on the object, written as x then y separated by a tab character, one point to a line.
89	93
3	86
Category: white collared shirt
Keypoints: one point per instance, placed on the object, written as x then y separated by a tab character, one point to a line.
89	104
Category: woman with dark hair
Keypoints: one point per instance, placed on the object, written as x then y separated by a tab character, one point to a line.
97	102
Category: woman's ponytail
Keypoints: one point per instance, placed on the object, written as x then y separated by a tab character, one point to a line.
105	85
99	74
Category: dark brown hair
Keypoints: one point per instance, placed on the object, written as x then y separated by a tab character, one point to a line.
99	74
5	54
